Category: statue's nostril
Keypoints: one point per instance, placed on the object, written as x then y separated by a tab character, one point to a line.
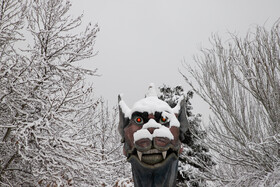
151	130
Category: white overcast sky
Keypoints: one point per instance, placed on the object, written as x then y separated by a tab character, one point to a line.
144	41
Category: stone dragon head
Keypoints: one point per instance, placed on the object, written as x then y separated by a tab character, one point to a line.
152	132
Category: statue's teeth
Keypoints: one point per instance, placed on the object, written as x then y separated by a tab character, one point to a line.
164	154
139	155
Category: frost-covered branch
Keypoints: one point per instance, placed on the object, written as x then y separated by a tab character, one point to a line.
240	81
43	99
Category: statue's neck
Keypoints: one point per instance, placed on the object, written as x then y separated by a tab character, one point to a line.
162	176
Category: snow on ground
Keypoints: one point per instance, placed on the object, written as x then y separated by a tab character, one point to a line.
127	182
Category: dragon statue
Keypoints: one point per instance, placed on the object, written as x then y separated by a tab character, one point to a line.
152	132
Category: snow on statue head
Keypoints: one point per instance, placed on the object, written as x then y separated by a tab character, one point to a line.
152	132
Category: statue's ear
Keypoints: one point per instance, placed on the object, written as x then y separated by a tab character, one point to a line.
181	113
124	116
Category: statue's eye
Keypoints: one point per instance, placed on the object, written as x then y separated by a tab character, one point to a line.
163	120
138	120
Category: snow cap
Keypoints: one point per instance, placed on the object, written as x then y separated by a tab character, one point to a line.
151	104
124	108
151	91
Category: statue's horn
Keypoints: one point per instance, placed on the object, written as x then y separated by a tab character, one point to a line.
181	113
124	114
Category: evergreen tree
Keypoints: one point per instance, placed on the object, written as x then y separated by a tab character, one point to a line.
195	159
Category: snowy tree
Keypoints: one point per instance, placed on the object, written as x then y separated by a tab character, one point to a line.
195	159
101	132
11	21
43	100
240	80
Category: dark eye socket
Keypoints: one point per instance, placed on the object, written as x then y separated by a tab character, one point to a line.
138	120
